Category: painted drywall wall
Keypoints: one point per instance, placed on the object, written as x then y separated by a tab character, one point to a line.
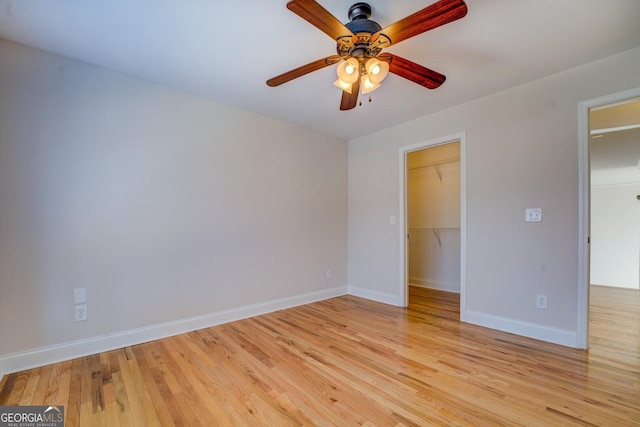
164	206
615	236
522	151
433	217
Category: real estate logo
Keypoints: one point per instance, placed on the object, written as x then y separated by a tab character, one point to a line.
31	416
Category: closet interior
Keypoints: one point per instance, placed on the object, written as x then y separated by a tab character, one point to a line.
433	217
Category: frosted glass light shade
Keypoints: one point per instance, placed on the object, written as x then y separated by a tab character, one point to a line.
348	71
367	85
377	70
347	87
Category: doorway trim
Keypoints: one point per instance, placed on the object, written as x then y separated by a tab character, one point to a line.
584	206
402	236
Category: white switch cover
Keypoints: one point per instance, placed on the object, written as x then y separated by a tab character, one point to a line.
392	220
541	302
80	295
533	215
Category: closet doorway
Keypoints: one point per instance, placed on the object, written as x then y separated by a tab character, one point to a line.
434	224
603	160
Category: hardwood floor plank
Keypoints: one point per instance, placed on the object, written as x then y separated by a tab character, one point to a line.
218	383
164	410
192	395
349	361
245	379
7	387
148	412
111	407
42	385
72	405
18	383
30	388
129	397
55	384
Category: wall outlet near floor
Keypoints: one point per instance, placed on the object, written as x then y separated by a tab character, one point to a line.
541	302
533	215
80	312
327	274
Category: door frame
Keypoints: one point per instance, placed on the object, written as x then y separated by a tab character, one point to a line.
402	236
584	206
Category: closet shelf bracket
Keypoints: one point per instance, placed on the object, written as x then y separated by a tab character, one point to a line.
436	233
438	171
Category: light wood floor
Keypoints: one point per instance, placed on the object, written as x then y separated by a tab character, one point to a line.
349	361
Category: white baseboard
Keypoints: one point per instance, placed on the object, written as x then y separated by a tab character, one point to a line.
374	296
47	355
531	330
434	284
44	356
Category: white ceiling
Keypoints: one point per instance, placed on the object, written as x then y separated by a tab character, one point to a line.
226	49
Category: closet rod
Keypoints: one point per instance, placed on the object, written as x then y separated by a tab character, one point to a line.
435	164
433	228
436	232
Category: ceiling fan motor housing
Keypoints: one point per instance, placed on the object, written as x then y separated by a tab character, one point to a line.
363	27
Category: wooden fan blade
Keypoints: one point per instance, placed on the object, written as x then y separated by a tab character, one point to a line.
319	17
412	71
439	13
350	100
305	69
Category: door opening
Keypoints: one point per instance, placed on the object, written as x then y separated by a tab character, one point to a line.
589	206
615	186
433	217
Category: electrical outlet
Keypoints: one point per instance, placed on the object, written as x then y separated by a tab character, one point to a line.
541	302
327	274
533	215
80	312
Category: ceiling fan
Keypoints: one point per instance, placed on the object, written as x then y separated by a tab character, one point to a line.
362	64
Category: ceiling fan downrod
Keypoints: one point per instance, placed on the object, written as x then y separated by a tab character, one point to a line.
359	11
359	21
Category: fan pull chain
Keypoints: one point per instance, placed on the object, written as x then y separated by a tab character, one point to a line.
360	101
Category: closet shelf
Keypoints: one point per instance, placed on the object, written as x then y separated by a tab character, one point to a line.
433	228
436	165
436	231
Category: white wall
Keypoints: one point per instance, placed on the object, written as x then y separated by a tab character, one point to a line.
163	205
522	151
615	236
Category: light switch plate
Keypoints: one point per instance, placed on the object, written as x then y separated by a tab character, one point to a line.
533	215
80	295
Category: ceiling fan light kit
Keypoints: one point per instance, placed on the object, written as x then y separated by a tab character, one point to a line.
349	70
344	86
359	43
377	70
368	86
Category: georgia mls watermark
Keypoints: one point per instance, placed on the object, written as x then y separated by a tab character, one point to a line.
31	416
